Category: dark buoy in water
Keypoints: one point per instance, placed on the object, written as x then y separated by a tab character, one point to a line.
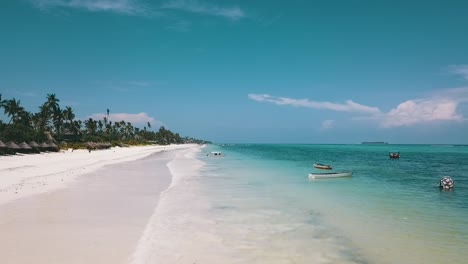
446	183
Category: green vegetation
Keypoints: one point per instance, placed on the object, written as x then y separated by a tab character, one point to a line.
52	123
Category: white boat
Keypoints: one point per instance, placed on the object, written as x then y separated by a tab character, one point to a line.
215	153
322	166
326	175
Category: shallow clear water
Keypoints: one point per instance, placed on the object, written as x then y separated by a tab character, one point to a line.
266	210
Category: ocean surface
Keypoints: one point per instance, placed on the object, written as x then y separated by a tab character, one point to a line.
255	204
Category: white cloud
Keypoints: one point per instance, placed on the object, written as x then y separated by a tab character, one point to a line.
327	125
441	106
194	6
140	118
413	112
128	7
459	70
348	106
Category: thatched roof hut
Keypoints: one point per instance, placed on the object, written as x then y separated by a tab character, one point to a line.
24	145
25	148
44	146
35	147
50	146
33	144
12	147
104	145
91	145
53	146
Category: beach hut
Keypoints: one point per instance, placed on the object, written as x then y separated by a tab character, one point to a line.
53	147
34	146
25	148
104	145
12	147
92	146
44	146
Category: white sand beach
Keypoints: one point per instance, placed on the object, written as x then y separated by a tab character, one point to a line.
81	207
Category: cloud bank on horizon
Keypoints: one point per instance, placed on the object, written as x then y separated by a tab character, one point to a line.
442	106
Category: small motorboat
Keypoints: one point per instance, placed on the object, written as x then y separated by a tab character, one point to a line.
326	175
394	155
322	166
215	153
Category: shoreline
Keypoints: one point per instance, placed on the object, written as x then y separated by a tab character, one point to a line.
99	217
26	175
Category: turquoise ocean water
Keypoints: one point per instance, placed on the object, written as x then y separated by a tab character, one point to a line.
266	210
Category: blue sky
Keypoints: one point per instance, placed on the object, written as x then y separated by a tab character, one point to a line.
247	71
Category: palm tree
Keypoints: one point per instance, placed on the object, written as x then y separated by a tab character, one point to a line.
57	119
13	109
100	125
68	117
52	102
90	125
129	130
47	111
68	114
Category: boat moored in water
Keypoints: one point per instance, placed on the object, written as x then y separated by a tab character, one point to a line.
394	155
322	166
326	175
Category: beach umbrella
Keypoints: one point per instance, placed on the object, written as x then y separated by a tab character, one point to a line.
53	146
105	145
25	148
44	146
24	145
33	144
12	146
92	145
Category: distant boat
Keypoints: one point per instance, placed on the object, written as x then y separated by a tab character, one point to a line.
322	166
215	153
394	155
326	175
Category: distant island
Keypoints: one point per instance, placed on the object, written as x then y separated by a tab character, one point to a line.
374	143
